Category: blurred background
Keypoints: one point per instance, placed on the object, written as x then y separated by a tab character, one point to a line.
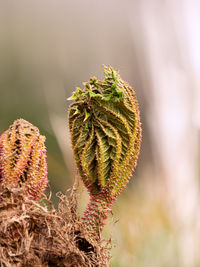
48	48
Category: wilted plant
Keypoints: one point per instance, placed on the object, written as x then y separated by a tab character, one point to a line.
105	131
23	158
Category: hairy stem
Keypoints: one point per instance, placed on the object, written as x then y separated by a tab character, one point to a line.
97	211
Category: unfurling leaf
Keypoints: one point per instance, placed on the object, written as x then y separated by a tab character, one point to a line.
106	137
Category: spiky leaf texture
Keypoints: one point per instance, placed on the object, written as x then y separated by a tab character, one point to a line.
23	158
105	130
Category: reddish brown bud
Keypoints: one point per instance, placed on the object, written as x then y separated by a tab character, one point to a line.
23	158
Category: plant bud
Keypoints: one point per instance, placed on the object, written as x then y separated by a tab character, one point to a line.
105	129
23	158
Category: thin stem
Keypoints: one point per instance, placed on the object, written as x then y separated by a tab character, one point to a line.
97	211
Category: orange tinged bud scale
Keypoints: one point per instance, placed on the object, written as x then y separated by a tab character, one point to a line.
23	158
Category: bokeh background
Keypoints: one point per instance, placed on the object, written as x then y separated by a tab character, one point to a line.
49	47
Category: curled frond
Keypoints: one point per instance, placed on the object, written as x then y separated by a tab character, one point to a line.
105	130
